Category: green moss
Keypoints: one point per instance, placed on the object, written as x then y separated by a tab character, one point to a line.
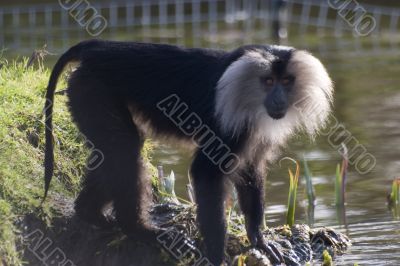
21	151
327	259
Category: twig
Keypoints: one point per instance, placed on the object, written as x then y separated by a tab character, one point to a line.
38	55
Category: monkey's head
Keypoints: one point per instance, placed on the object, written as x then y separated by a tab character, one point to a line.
273	91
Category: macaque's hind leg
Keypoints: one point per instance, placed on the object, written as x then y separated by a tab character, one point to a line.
107	125
209	193
130	189
87	105
92	199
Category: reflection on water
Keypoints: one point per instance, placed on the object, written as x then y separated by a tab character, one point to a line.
367	102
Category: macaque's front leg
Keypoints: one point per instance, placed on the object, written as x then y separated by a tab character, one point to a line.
209	193
251	199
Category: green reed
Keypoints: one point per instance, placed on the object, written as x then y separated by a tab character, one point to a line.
294	180
341	177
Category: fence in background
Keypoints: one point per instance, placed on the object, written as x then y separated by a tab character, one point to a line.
214	23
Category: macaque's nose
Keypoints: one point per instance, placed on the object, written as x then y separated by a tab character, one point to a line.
276	103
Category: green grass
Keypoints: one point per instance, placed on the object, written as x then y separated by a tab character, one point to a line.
21	151
394	198
291	206
395	194
327	259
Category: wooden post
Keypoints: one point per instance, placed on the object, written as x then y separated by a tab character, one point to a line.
279	31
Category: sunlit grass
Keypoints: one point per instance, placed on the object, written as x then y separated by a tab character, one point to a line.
21	149
294	180
395	194
165	188
241	260
394	198
190	189
327	259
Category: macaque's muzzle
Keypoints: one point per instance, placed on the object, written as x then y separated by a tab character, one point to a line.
277	103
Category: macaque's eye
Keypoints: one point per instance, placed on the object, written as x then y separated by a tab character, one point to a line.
287	80
269	81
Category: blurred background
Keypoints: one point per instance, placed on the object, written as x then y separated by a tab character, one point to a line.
358	41
212	23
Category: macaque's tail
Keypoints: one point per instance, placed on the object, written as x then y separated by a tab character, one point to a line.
73	54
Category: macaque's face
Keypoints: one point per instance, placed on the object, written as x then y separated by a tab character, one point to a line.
274	91
278	87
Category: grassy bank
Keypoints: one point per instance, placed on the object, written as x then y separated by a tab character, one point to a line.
21	152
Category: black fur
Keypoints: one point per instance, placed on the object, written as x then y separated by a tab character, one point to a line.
115	79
